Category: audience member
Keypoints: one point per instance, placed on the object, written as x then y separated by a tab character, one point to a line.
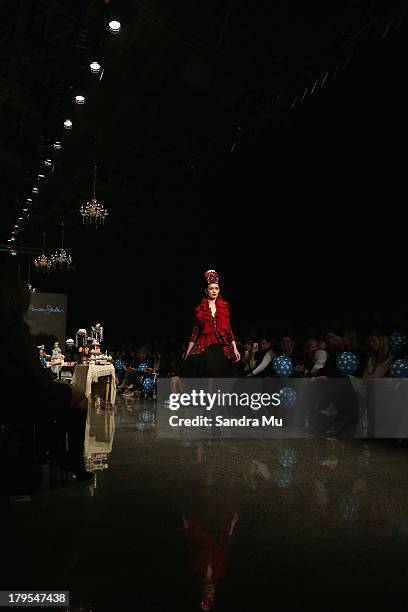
264	365
29	394
379	358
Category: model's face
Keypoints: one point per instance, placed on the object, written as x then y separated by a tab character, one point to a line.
213	291
265	344
248	346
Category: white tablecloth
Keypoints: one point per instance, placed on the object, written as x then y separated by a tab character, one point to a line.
103	428
85	375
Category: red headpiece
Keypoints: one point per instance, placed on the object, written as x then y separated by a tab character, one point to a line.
211	277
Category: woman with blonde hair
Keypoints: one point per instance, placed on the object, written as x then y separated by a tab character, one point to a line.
380	359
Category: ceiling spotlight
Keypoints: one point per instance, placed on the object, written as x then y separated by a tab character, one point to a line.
20	218
35	190
25	210
29	201
12	239
48	163
114	26
13	253
41	176
95	67
9	240
80	100
57	145
68	124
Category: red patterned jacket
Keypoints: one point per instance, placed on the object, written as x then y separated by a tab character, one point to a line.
209	329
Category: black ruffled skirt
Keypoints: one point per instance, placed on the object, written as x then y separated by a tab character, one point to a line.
211	364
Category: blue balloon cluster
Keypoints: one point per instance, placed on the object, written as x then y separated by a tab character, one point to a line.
288	397
143	366
148	384
287	457
399	369
119	365
283	366
347	363
396	342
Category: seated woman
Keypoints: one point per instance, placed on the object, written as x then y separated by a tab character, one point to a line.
133	380
29	394
264	367
248	362
379	358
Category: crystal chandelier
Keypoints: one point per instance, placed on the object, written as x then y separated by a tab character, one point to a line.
61	258
31	288
42	262
93	211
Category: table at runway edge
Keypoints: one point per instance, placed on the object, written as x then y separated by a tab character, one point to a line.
85	375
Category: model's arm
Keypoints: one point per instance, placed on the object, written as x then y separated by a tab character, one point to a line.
190	346
231	338
193	337
236	351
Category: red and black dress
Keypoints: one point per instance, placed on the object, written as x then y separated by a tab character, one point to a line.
212	354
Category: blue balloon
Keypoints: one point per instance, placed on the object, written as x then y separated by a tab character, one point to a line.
283	366
119	365
142	366
396	342
287	457
399	369
347	363
288	397
148	384
147	416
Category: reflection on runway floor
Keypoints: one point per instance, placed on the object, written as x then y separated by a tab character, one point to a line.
220	524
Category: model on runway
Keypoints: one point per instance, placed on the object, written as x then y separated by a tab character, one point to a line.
212	350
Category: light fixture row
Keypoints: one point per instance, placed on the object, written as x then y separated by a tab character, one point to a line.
95	66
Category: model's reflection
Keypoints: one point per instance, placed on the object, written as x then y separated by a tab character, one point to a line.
208	554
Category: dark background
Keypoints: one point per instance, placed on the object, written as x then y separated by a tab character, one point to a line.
300	210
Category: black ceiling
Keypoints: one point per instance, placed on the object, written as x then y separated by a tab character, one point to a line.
183	85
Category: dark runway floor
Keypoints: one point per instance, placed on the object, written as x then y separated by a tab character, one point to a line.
323	524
